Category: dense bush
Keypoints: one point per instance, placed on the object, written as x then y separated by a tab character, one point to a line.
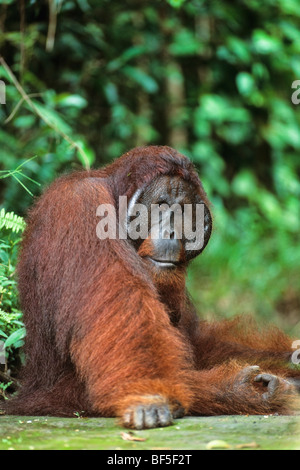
87	80
12	331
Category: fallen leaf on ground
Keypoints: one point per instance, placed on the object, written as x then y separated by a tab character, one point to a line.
247	445
217	444
129	436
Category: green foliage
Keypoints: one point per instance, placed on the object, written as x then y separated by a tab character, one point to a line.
211	78
18	174
12	331
11	221
176	3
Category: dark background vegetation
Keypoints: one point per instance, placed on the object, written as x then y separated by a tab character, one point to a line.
87	80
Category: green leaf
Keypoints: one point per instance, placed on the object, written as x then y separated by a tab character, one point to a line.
270	206
240	48
185	44
141	78
11	221
111	93
84	5
15	337
176	3
76	101
265	44
86	155
24	122
245	184
245	83
129	54
217	444
52	117
3	334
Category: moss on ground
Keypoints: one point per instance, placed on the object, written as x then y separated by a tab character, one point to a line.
232	432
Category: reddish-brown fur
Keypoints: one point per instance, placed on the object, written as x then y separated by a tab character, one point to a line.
103	334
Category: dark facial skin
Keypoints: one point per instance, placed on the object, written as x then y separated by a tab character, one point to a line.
167	248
